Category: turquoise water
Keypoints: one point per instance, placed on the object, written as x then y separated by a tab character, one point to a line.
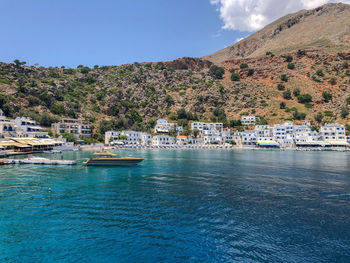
180	206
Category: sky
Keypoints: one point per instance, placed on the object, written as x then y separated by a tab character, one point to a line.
113	32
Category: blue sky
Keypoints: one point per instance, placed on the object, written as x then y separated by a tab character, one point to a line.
107	32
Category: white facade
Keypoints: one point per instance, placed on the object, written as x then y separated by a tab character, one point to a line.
263	130
160	140
333	132
248	120
132	138
163	126
207	128
249	138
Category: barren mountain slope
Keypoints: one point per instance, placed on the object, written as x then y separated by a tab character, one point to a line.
325	29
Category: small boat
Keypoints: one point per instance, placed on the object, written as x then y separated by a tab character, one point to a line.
110	159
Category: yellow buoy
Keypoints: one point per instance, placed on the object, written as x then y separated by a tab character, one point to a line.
50	189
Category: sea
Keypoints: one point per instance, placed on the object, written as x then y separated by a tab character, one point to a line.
179	206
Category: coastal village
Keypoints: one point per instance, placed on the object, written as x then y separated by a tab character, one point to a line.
23	135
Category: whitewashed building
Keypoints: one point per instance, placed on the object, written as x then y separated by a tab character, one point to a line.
262	131
131	138
76	127
333	132
249	138
249	120
207	128
160	140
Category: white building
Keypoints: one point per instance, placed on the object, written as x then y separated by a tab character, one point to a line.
333	132
72	126
207	128
279	132
263	131
127	138
248	138
163	126
212	139
26	127
182	140
249	120
160	140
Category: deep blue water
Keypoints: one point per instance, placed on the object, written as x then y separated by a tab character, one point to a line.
180	206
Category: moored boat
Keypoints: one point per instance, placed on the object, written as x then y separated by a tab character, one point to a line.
110	159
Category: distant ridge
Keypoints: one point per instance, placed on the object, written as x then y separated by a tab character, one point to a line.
326	28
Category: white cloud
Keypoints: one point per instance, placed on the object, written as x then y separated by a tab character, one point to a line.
252	15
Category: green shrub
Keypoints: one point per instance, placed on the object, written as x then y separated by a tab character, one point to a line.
299	115
251	72
217	72
5	81
57	109
304	98
319	117
291	66
282	105
287	95
243	65
348	100
284	78
281	87
320	73
347	73
296	92
308	106
328	113
289	58
344	113
327	96
235	77
169	100
345	65
85	70
333	81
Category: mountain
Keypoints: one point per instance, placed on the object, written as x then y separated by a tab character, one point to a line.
324	29
277	75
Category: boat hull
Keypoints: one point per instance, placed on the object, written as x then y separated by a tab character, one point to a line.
113	162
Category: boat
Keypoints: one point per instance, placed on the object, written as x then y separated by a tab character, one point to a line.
110	159
40	160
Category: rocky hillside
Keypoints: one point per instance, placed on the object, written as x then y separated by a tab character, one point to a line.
296	82
325	29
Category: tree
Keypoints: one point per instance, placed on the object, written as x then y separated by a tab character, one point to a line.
217	72
282	105
319	117
19	63
344	113
57	109
327	96
235	77
195	133
70	137
304	98
287	95
182	114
